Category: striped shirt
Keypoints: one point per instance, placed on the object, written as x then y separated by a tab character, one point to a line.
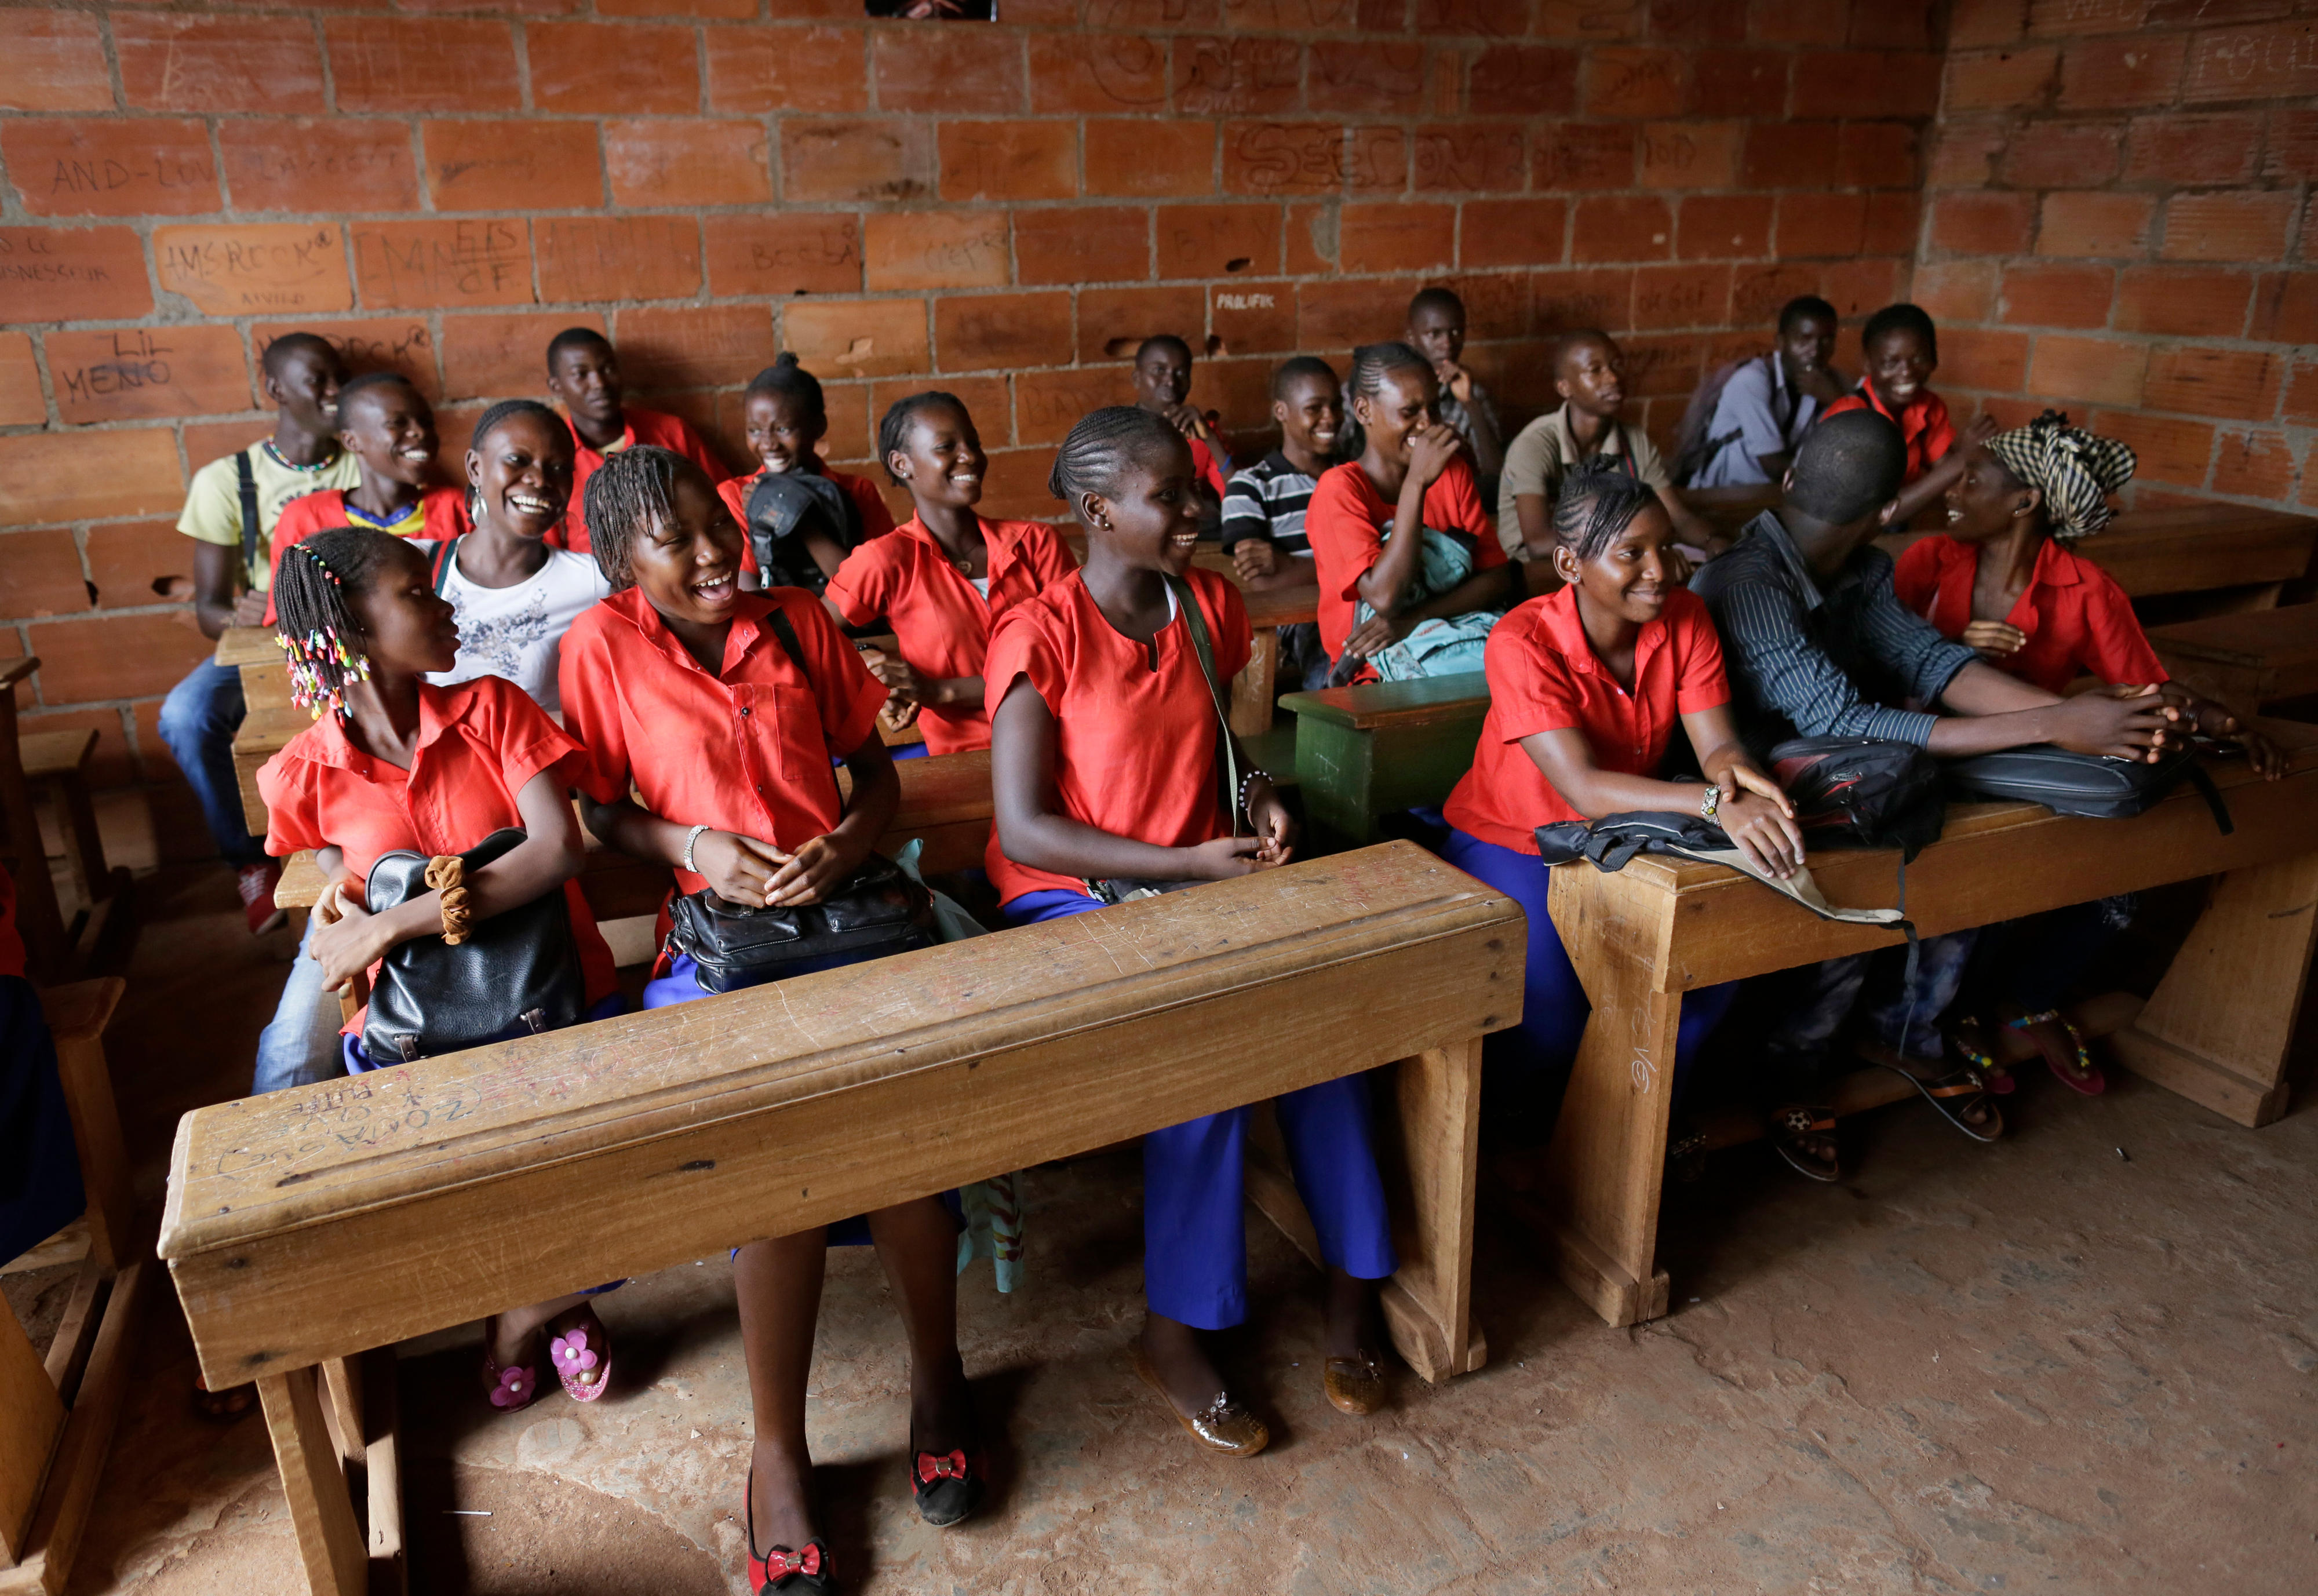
1268	500
1807	661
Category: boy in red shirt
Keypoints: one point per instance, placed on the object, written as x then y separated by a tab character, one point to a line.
833	512
1903	349
584	377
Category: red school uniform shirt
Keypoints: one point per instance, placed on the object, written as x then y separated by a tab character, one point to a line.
643	427
478	742
2077	618
869	503
1923	423
1346	522
942	625
1208	463
1134	748
746	749
440	514
1545	677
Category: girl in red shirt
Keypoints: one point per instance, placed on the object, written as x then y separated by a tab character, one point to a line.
1901	350
1411	473
786	419
1586	685
1103	765
945	578
400	764
719	709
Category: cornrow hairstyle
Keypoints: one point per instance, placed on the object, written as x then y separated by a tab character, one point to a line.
1596	504
321	642
1162	340
575	337
1372	363
789	380
1103	446
1802	305
1303	365
630	491
1436	299
893	428
1897	318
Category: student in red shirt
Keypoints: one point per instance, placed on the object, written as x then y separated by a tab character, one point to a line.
1586	687
397	764
1411	473
1901	350
583	375
787	419
1104	752
719	709
945	578
1163	386
388	426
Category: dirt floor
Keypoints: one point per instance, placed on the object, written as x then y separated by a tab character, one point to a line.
2081	1360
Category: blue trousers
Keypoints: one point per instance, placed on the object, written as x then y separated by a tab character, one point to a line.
1194	1228
301	1045
198	721
1526	1068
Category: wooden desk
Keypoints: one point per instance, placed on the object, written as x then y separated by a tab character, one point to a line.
2216	1030
1728	509
303	1227
2247	660
40	919
2192	549
1362	752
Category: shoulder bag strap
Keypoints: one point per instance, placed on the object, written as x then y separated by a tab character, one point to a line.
1226	746
785	634
246	476
446	554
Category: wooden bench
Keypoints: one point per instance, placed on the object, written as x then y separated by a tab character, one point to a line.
1363	752
57	763
307	1226
2216	1030
2248	660
39	918
2194	549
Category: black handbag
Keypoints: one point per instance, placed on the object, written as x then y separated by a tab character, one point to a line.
2090	785
781	508
879	908
1862	791
517	971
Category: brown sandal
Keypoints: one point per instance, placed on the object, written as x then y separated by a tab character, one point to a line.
1804	1134
1956	1094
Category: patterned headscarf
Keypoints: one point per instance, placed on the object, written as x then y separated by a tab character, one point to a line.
2075	470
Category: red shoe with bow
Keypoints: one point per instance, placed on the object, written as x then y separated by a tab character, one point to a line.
805	1573
947	1485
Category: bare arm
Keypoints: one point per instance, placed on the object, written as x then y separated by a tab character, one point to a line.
1755	813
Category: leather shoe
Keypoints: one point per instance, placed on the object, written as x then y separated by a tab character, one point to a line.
1354	1384
1225	1425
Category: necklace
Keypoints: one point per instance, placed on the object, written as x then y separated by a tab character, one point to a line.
275	455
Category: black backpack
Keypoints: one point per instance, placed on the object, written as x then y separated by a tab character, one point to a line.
2090	784
1862	791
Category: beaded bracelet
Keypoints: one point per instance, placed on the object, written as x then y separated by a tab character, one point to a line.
1245	782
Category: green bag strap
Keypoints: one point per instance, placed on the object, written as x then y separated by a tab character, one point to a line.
446	554
1226	746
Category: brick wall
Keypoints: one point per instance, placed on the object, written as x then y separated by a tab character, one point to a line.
995	209
2120	200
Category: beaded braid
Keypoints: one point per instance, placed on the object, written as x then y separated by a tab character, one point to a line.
321	639
630	491
1095	456
1598	501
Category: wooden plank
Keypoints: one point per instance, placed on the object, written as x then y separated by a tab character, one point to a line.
2192	549
1254	689
68	1245
1427	701
80	1012
314	1223
341	1384
71	1495
1434	1144
389	1572
32	1419
265	731
2246	660
75	1336
329	1541
237	646
40	921
1281	607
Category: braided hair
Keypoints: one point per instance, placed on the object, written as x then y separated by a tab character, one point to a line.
495	417
1097	455
633	490
1371	365
321	640
893	428
1596	504
2074	469
789	380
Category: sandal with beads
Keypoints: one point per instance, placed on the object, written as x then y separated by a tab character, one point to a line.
1965	1037
2086	1077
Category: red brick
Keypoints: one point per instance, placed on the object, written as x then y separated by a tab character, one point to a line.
22	403
1908	25
414	264
287	268
333	164
1867	82
144	373
1680	296
1523	80
1376	160
1002	331
2096	224
2253	464
1512	232
2200	149
39	575
1089	244
1566	301
1148	158
52	60
2016	79
1739	82
117	657
880	158
1368	77
611	67
1219	240
1048	404
1471	157
935	249
1252	319
2301	402
1791	155
1311	240
1983	224
757	70
2232	226
1627	81
1893	223
700	8
1878	155
2102	370
1335	315
1719	227
1284	158
1980	358
1983	22
1799	22
492	356
135	562
1489	19
1956	290
72	274
2168	450
985	399
793	252
532	164
1758	290
1101	73
1396	237
1635	227
1238	76
617	257
2273	63
2186	302
399	343
1857	288
2293	148
2285	309
1496	303
2241	383
2086	16
2047	295
86	475
2135	69
71	166
1964	155
1013	160
969	71
1582	155
171	62
1014	484
857	337
439	64
205	441
1822	224
693	345
2062	154
1664	365
1113	321
1697	22
663	162
1690	155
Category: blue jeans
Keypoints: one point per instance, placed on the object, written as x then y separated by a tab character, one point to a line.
198	721
1799	1048
301	1045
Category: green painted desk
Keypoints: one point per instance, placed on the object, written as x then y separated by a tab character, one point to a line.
1361	752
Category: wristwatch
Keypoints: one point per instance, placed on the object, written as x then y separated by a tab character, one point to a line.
1709	804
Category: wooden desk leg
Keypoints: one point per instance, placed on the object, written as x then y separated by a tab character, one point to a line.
31	1418
382	1463
329	1540
96	1128
1428	1303
2218	1027
1255	689
341	1379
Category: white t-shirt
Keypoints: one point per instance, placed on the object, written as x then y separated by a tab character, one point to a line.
517	633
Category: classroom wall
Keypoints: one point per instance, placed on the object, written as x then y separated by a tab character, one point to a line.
2119	224
996	208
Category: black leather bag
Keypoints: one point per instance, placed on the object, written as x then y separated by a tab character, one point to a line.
782	507
517	971
879	908
1862	791
2089	784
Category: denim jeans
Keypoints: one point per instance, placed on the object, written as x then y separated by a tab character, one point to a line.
198	721
1797	1053
301	1046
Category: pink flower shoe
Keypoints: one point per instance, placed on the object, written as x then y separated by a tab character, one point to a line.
583	1358
509	1389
